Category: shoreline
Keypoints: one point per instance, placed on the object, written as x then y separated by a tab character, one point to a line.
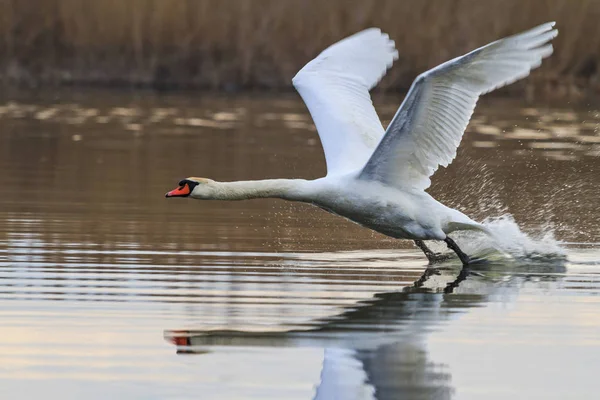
241	45
533	88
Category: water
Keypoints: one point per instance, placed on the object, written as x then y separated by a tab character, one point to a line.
110	290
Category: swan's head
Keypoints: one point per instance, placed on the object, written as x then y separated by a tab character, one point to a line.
199	188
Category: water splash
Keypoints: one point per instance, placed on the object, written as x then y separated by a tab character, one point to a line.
507	239
510	239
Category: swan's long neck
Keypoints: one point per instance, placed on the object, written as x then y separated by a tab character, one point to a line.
289	189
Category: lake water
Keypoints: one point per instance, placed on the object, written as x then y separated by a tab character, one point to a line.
111	291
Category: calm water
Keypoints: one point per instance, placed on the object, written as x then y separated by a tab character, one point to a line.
111	291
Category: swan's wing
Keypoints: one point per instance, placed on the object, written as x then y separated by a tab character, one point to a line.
335	87
429	125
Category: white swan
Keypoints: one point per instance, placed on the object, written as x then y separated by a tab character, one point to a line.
378	178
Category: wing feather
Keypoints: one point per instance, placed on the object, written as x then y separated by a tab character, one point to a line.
428	127
335	87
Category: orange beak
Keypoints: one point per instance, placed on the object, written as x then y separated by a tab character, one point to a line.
181	191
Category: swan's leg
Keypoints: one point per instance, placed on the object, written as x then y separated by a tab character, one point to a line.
452	245
431	256
420	244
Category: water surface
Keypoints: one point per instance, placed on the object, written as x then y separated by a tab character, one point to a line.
108	289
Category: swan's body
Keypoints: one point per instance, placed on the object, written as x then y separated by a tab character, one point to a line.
375	177
401	214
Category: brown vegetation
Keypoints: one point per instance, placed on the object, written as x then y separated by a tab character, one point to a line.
236	44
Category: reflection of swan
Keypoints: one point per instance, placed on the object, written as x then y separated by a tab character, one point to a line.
376	178
385	318
343	377
374	350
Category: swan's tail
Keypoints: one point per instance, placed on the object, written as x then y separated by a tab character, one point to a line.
460	222
467	226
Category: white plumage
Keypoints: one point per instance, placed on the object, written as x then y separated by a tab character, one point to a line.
335	87
378	178
428	127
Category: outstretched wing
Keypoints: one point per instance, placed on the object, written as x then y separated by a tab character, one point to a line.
430	123
335	87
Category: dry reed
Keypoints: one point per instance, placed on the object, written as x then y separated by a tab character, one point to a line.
237	44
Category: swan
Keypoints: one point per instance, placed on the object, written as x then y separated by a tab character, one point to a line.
375	177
